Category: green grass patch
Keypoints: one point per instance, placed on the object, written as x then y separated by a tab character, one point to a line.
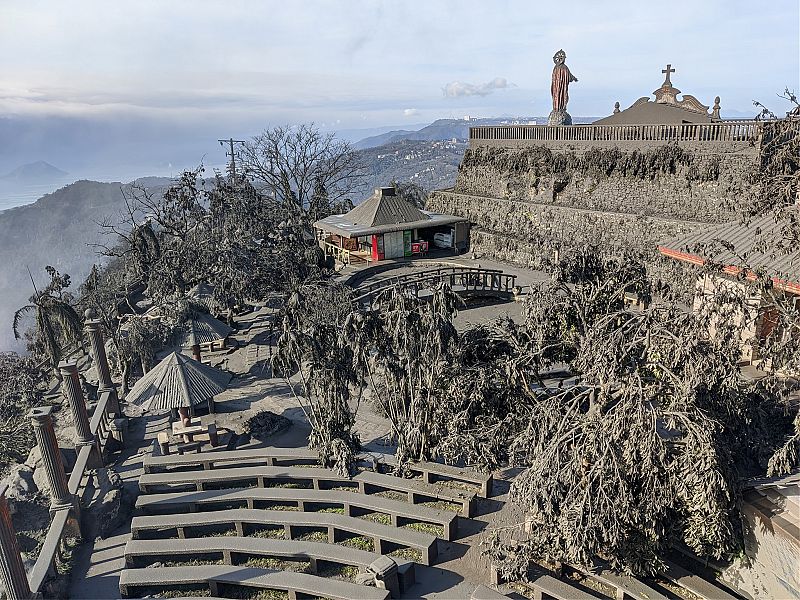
274	533
347	572
313	536
377	517
392	495
294	485
360	542
408	554
443	505
297	566
334	510
179	591
436	530
279	507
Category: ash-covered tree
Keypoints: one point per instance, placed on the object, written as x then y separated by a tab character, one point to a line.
311	346
403	345
302	168
649	444
56	321
21	388
412	192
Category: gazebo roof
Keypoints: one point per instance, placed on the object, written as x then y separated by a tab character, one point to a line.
383	212
177	381
204	329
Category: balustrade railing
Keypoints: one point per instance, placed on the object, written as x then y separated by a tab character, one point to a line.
65	522
725	131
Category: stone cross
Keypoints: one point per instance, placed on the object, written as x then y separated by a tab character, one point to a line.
668	70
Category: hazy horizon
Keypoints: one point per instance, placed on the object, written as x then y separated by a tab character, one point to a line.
98	87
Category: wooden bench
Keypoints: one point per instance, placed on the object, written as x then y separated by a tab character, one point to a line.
249	577
353	504
236	550
366	481
383	536
695	584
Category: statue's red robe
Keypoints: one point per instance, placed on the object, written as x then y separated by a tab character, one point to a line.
559	86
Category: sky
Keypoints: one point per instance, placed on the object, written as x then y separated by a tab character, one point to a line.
86	81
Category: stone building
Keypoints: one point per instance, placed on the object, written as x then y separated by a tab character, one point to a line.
656	170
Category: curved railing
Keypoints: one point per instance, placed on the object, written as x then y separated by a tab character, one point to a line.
464	279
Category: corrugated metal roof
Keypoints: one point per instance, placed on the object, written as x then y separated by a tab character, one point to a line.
177	381
708	244
383	212
384	207
204	329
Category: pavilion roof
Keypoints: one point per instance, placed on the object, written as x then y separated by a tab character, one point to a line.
177	381
383	212
202	328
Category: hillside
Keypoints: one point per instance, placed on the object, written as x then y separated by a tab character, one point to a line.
433	165
439	130
55	230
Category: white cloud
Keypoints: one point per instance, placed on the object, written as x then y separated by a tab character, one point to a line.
459	89
410	112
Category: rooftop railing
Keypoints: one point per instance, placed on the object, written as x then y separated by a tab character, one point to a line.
725	131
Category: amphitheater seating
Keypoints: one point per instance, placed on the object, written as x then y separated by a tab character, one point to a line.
695	584
336	525
304	499
366	481
271	456
237	550
214	576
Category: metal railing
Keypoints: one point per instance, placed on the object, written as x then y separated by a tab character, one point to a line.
725	131
463	279
53	547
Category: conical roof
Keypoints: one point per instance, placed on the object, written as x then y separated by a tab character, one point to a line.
177	381
203	329
384	207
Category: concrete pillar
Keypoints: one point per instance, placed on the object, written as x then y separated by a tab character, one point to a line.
95	335
51	457
12	571
74	395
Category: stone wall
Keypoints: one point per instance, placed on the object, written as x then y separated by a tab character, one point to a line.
667	182
527	202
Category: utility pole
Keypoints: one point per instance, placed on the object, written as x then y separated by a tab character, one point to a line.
232	154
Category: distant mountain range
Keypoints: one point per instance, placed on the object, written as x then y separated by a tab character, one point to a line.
35	172
451	129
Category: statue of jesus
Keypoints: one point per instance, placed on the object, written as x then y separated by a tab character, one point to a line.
559	89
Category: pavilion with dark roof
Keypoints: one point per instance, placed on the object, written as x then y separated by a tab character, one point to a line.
386	226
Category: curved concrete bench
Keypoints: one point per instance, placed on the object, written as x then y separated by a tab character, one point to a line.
319	478
550	587
234	550
214	575
382	535
352	503
695	584
625	585
273	456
